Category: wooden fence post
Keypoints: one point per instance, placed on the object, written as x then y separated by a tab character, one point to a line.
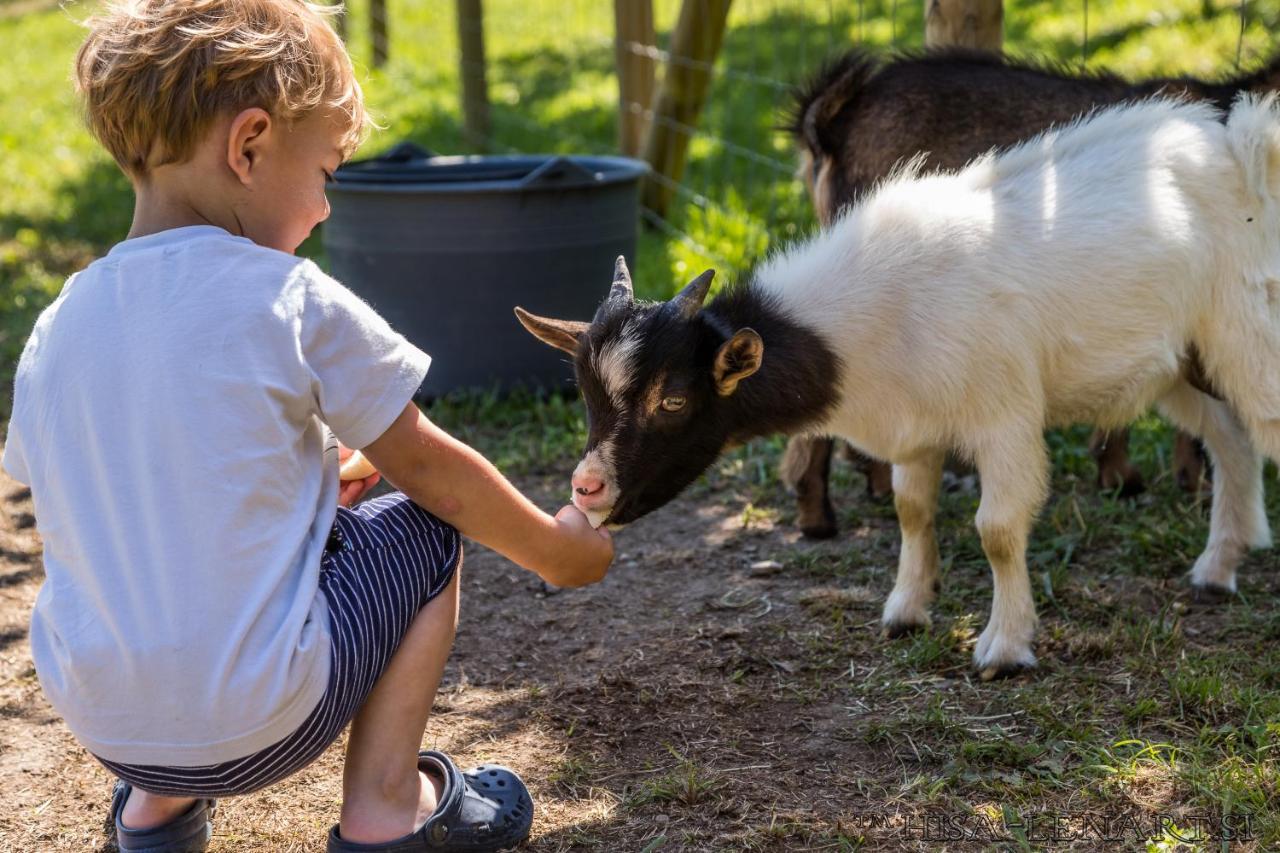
634	31
378	31
964	23
695	43
475	86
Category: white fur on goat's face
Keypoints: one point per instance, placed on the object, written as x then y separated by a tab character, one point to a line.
598	464
615	364
606	369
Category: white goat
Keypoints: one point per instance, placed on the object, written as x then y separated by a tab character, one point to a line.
1082	276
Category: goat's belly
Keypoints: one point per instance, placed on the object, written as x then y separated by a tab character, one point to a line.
888	434
1109	398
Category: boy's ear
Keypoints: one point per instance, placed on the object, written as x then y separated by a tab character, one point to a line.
738	358
246	139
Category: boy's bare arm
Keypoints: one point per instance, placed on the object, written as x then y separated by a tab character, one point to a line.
459	486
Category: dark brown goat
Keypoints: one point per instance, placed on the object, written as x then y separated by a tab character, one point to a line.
863	115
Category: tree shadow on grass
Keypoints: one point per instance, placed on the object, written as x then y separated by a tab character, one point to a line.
92	210
1070	46
526	108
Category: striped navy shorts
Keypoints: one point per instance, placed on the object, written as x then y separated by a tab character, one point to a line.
384	561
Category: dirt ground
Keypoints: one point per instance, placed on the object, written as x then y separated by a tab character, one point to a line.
587	693
715	692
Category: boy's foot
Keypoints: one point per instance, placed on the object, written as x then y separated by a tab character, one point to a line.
189	832
143	810
485	809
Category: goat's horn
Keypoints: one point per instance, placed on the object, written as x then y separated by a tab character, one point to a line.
621	281
689	300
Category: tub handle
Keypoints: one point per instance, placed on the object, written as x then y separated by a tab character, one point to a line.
403	152
560	173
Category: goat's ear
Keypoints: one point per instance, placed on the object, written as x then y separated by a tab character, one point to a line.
816	125
561	334
737	358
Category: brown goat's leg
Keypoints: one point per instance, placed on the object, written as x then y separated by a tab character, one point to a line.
879	474
1191	465
1111	451
806	468
879	480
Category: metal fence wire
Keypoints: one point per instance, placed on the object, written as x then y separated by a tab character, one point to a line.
542	76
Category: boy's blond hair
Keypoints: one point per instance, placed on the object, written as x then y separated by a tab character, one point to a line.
156	73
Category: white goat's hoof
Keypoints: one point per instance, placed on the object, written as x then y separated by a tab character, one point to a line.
904	614
1214	573
896	630
1211	593
1000	655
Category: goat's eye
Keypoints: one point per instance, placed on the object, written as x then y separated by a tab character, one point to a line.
672	404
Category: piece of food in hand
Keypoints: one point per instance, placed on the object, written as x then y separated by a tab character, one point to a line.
356	467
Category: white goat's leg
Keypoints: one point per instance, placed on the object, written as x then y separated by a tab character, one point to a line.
915	497
1238	519
1241	356
1014	474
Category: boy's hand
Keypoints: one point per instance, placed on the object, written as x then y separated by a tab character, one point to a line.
350	491
585	553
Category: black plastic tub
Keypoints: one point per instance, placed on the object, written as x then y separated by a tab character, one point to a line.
445	247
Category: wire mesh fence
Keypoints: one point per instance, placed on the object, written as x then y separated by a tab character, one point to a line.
550	68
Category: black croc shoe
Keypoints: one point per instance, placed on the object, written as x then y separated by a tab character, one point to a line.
485	809
187	833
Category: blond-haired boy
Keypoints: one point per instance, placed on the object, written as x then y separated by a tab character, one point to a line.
213	612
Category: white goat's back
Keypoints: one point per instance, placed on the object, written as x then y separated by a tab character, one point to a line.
1254	136
1062	280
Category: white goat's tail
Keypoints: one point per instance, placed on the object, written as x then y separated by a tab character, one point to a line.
1253	133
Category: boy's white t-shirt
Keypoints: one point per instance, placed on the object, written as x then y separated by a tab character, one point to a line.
170	413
